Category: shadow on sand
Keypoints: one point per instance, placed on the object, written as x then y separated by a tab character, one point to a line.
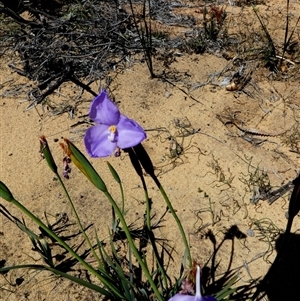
282	282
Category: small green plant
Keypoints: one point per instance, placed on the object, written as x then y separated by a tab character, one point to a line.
196	45
117	281
113	273
215	218
272	56
292	140
214	18
221	176
213	25
258	183
267	232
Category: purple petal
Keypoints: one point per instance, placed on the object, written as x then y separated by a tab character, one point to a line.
103	110
97	143
183	297
130	133
208	298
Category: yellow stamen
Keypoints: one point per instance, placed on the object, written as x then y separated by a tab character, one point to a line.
113	130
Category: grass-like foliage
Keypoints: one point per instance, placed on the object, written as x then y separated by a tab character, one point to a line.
144	32
114	274
273	56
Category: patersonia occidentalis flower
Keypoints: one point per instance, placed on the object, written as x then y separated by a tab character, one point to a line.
112	131
198	296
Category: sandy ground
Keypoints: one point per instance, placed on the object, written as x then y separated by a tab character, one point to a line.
214	180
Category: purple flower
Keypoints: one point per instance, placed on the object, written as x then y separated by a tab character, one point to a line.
197	297
113	129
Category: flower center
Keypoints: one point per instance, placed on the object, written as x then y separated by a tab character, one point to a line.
112	133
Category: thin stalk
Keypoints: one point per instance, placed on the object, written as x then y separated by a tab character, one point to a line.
187	248
122	197
149	230
139	158
148	204
66	246
114	224
158	260
286	39
286	30
133	247
145	38
271	44
89	285
148	34
78	220
114	173
145	161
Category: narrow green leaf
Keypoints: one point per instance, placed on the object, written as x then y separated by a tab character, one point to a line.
107	263
119	270
227	290
118	180
89	285
226	294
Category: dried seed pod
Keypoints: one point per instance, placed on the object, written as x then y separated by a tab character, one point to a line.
232	87
284	68
228	55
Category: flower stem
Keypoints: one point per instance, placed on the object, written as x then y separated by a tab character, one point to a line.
187	248
150	233
148	204
78	220
198	284
133	247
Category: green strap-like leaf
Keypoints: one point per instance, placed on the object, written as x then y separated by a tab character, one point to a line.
92	286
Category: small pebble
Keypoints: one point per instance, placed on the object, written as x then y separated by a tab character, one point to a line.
250	233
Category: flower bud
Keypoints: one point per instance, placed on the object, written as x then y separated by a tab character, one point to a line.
5	192
83	164
45	151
